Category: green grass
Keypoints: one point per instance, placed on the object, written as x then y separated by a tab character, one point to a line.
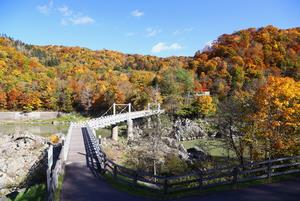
42	129
214	147
57	193
67	118
34	193
74	117
129	188
104	132
217	149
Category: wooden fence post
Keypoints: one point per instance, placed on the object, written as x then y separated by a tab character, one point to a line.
269	173
165	186
115	171
235	177
136	178
200	181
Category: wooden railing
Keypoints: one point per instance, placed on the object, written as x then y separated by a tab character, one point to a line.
55	169
197	180
67	141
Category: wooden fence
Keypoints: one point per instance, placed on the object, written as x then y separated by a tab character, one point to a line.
56	165
196	180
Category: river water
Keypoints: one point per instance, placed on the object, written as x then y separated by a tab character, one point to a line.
36	129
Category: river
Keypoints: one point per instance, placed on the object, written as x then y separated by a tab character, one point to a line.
45	129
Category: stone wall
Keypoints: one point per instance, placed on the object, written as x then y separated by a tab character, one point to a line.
27	115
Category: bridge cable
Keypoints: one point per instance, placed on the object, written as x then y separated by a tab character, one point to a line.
106	111
123	109
133	108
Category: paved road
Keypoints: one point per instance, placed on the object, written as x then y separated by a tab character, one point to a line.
82	183
283	191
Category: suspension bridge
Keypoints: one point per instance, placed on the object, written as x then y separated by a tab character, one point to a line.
80	165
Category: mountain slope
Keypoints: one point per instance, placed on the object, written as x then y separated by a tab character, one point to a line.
73	78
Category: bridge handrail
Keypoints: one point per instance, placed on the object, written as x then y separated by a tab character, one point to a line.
68	141
111	119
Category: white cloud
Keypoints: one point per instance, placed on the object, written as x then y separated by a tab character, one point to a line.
137	13
68	16
65	10
81	20
182	31
46	8
77	20
159	47
150	32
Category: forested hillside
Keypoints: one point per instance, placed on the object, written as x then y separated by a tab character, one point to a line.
73	78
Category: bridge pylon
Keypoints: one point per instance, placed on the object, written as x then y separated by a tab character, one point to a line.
114	107
115	132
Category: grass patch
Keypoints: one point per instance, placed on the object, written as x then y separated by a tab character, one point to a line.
106	132
37	193
103	132
57	193
67	118
215	147
41	129
130	189
64	119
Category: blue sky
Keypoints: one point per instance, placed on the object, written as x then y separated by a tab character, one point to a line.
155	27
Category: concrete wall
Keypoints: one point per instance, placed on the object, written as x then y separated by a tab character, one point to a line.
27	116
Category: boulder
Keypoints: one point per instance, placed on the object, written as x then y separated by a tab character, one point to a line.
22	160
198	154
186	129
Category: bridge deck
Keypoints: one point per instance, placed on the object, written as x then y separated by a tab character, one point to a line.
82	181
77	148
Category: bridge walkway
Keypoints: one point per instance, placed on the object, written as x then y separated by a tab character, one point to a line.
82	180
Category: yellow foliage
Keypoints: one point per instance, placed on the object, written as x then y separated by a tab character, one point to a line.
278	111
204	105
54	139
142	78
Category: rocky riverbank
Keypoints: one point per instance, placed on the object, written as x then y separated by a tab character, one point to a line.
181	129
159	140
22	161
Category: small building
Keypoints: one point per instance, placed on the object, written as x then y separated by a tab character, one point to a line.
202	93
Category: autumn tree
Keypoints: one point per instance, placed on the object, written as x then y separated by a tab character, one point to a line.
277	116
230	65
2	99
232	114
64	101
204	106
